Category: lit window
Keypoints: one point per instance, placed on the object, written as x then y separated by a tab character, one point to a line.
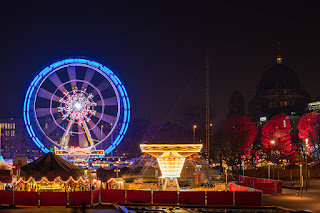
7	133
14	125
285	103
12	133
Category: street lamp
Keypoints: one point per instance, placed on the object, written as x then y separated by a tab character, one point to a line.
272	142
194	133
101	136
306	150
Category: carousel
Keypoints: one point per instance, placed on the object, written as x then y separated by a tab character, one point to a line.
51	173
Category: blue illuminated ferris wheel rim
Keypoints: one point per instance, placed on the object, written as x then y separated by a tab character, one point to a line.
29	102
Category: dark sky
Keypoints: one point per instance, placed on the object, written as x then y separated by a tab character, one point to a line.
158	46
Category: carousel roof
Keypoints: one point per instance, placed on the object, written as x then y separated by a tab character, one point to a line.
50	162
51	166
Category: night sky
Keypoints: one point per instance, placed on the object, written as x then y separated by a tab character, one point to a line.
157	47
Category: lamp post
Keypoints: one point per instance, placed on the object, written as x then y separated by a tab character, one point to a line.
306	150
272	142
111	139
301	180
101	136
194	133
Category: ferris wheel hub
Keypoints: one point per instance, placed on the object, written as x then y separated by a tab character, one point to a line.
77	105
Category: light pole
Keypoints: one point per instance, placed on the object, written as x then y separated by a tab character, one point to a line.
194	133
101	136
272	142
306	150
111	139
301	179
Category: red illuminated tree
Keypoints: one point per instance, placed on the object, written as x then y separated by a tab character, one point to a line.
276	137
233	139
309	128
244	132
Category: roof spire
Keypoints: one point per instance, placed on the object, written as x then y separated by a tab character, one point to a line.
279	57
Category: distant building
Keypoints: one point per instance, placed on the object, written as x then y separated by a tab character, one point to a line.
15	141
314	105
236	105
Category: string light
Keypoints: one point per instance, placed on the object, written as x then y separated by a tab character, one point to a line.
45	179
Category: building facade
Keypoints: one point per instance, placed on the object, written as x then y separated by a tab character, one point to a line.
15	141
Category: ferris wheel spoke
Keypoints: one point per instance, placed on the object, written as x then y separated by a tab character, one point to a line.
52	126
41	112
72	75
88	77
102	86
98	133
47	95
63	142
108	102
54	78
107	118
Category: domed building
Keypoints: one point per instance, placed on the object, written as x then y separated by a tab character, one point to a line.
279	90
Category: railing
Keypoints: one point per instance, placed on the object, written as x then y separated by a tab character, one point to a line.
210	198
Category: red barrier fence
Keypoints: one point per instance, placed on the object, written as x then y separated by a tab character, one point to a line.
238	196
220	198
267	186
95	196
53	198
192	198
165	197
238	187
138	196
6	197
26	198
112	196
79	198
248	198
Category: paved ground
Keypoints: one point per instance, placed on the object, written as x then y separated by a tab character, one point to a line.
310	199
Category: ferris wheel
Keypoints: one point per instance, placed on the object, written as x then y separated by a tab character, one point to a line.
76	103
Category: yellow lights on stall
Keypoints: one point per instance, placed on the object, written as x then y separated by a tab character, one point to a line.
45	179
171	164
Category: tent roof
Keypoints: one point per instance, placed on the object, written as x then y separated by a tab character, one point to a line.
51	166
51	162
3	164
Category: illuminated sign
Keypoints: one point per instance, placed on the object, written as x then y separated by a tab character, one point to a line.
79	151
263	118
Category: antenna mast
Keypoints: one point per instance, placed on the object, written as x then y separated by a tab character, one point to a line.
207	107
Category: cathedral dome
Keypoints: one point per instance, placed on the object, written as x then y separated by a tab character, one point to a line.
280	77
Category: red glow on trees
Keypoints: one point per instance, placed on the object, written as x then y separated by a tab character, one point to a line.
276	136
233	139
309	129
244	132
